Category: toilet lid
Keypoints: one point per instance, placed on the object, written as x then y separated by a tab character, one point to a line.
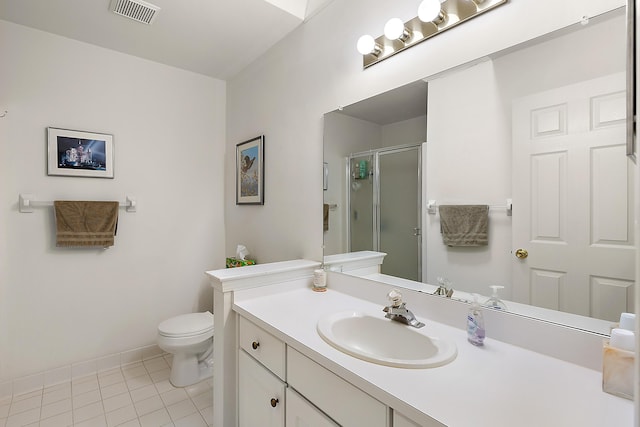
187	325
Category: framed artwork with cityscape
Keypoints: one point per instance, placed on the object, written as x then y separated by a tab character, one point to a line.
78	153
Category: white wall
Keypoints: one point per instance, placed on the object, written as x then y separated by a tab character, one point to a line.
59	306
315	70
346	135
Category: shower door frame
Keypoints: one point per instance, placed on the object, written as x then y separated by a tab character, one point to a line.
375	155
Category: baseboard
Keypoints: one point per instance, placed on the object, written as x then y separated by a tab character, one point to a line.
76	370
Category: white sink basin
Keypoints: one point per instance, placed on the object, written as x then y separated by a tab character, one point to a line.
383	341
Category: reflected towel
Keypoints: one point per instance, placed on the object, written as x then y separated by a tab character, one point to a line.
325	217
464	225
85	224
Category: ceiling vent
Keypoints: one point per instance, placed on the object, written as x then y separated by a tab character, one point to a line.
137	10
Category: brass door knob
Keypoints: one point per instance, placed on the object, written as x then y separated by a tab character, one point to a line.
255	345
274	402
521	253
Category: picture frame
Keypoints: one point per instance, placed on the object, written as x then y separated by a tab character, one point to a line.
250	172
79	153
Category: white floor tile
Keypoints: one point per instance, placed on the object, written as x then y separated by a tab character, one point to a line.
174	396
61	420
207	414
117	402
98	421
57	393
148	405
143	393
164	386
113	390
25	405
86	398
155	419
193	420
121	415
56	408
134	371
84	386
136	395
87	412
156	364
132	423
112	378
137	382
203	400
23	418
181	409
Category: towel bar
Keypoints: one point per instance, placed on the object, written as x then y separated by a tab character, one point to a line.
26	203
432	207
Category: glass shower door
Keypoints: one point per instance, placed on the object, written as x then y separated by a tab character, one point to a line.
399	202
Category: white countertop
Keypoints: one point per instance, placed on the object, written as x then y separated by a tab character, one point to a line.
497	385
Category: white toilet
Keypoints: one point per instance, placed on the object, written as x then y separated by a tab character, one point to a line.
189	337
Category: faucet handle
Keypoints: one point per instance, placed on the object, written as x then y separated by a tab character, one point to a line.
395	297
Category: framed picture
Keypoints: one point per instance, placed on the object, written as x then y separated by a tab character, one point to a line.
250	172
77	153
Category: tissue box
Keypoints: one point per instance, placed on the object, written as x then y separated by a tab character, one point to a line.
617	371
235	262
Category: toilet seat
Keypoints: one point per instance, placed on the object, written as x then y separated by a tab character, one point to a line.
187	325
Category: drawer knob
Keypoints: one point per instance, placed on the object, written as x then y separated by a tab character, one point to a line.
274	402
255	345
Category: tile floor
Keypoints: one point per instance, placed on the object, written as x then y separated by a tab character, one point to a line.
138	394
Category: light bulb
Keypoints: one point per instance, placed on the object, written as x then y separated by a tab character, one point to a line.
366	44
429	10
394	28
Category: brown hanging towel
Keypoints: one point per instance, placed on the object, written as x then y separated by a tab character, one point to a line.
85	224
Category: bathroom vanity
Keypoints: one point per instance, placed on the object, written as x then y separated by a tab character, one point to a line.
269	356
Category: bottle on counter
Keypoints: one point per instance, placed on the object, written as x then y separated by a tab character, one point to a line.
475	323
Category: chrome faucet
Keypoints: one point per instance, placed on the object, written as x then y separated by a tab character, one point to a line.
444	287
398	311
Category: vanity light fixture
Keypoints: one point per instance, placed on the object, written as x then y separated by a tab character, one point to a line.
394	29
434	17
367	45
431	11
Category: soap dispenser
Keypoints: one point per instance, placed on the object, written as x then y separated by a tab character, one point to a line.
475	323
495	302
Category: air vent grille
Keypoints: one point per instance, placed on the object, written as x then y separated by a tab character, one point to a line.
137	10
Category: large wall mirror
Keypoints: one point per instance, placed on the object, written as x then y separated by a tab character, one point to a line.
539	128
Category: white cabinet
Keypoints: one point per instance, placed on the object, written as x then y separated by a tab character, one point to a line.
263	346
301	413
261	395
400	420
337	398
273	377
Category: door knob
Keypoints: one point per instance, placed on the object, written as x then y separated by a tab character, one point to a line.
274	402
521	253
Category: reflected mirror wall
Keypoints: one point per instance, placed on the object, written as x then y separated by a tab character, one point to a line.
472	119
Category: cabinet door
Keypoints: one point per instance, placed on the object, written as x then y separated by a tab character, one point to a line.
260	395
400	420
301	413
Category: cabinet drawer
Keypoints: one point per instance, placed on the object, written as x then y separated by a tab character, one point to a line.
263	346
343	402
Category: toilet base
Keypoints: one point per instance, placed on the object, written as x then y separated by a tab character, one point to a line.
186	370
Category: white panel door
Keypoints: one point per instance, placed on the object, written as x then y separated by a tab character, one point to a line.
573	200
